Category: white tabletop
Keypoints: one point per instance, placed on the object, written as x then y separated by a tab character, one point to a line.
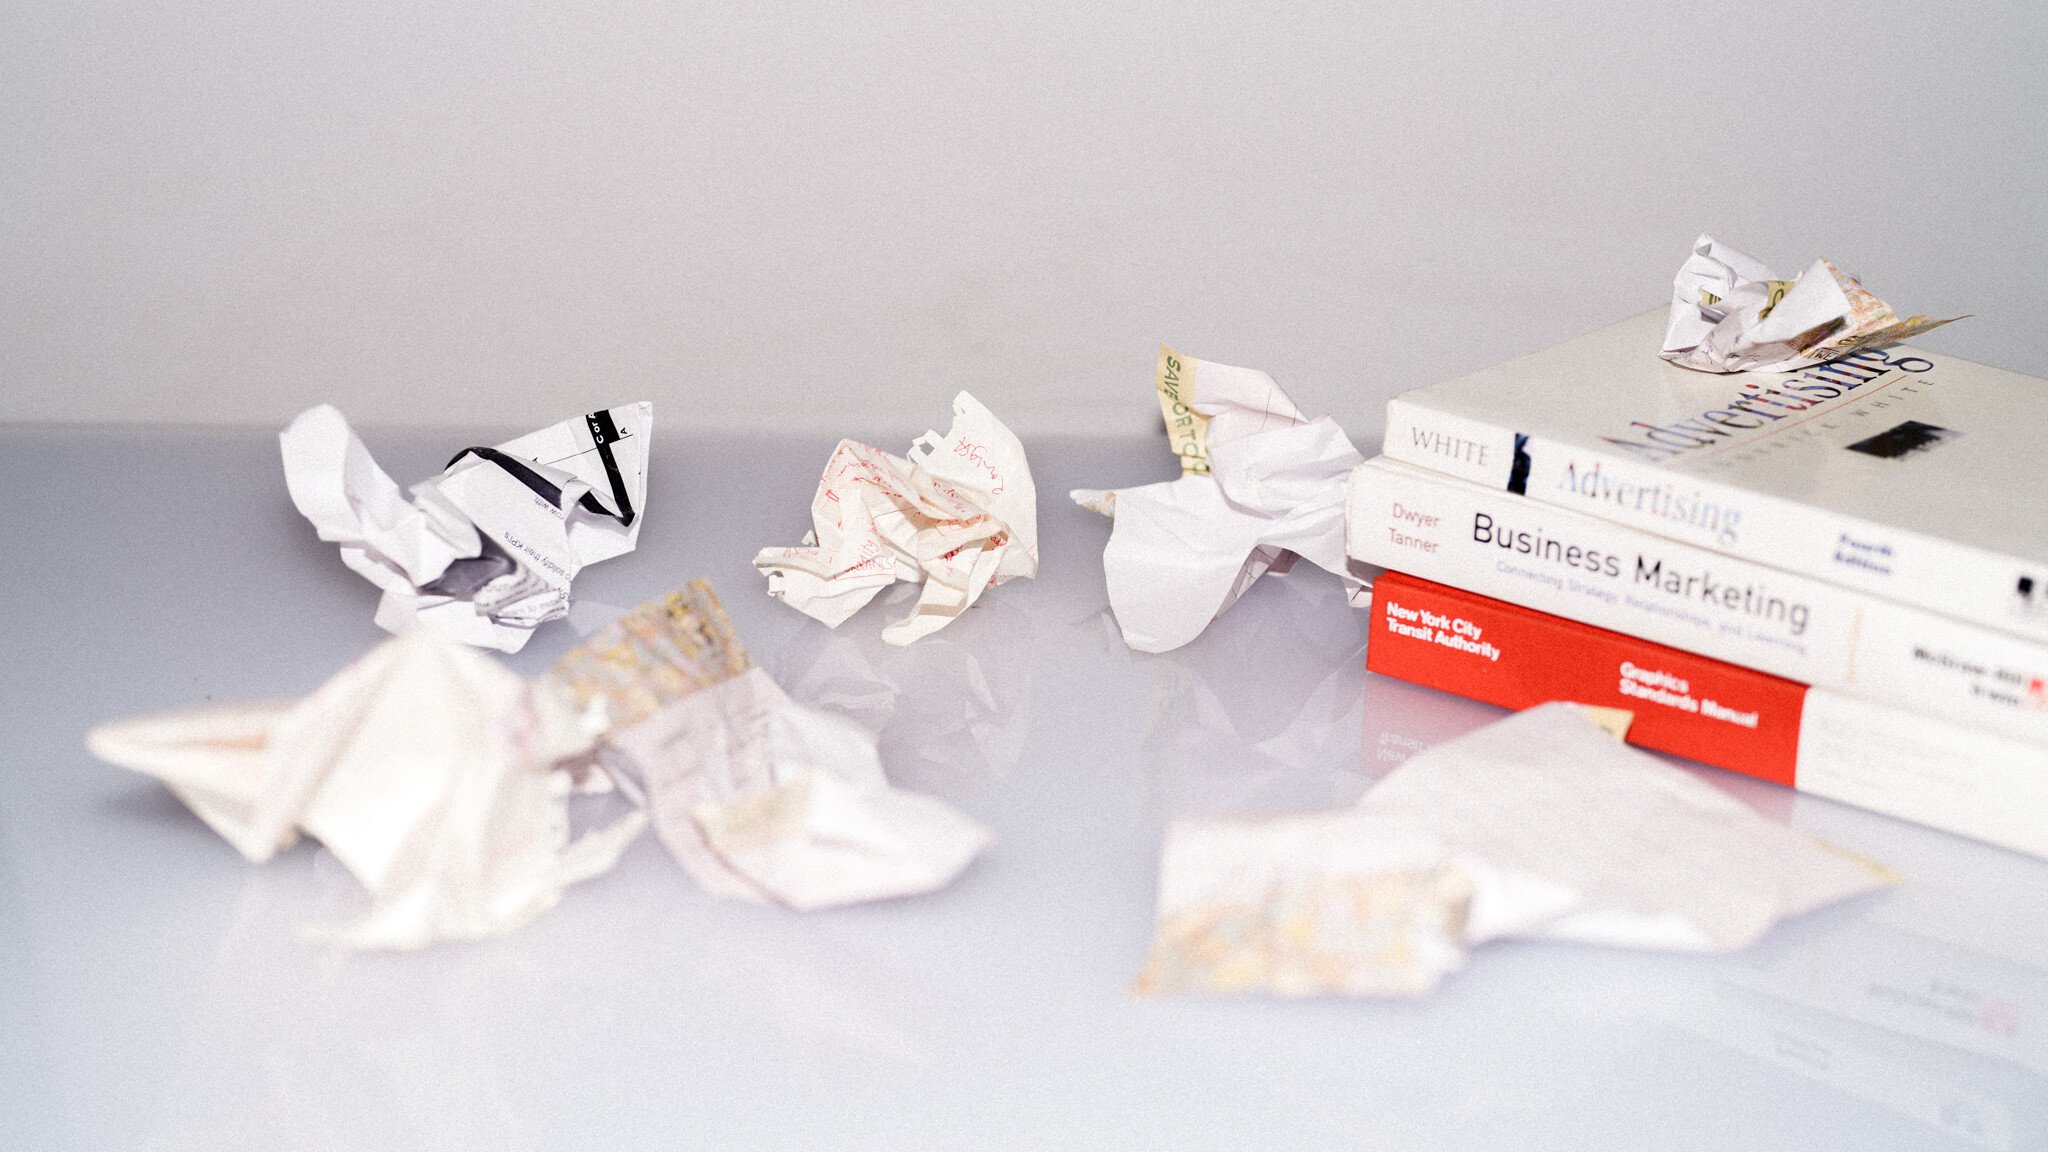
159	997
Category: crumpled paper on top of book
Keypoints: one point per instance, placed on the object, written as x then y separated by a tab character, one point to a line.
427	768
959	514
1261	484
1729	314
485	551
1540	825
756	796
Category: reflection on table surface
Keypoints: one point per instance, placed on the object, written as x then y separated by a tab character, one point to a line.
161	997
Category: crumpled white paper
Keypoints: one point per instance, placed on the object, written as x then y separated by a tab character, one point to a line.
757	797
1261	484
427	768
1729	314
959	514
1540	825
485	551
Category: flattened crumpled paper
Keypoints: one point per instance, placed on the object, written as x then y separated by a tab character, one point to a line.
1260	485
484	552
1729	314
1540	825
427	768
958	514
756	796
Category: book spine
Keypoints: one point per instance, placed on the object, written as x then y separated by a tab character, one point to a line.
1938	575
1490	650
1910	767
1599	573
1453	445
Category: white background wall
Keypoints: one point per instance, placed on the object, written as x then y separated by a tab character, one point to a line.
834	216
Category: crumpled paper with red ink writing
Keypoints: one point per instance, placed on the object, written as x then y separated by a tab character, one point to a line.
958	515
756	796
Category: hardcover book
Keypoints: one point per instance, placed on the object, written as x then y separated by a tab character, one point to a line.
1597	572
1897	471
1826	743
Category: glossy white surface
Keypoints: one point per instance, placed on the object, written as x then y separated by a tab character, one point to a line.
157	996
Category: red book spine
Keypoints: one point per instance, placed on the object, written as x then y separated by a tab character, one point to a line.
1488	650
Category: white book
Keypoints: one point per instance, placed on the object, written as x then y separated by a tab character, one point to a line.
1597	572
1899	472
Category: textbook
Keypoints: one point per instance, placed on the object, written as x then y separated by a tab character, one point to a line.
1899	472
1826	743
1597	572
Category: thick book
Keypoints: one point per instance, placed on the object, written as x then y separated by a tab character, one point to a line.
1829	744
1597	572
1897	471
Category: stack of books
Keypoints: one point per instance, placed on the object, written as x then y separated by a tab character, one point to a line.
1835	579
